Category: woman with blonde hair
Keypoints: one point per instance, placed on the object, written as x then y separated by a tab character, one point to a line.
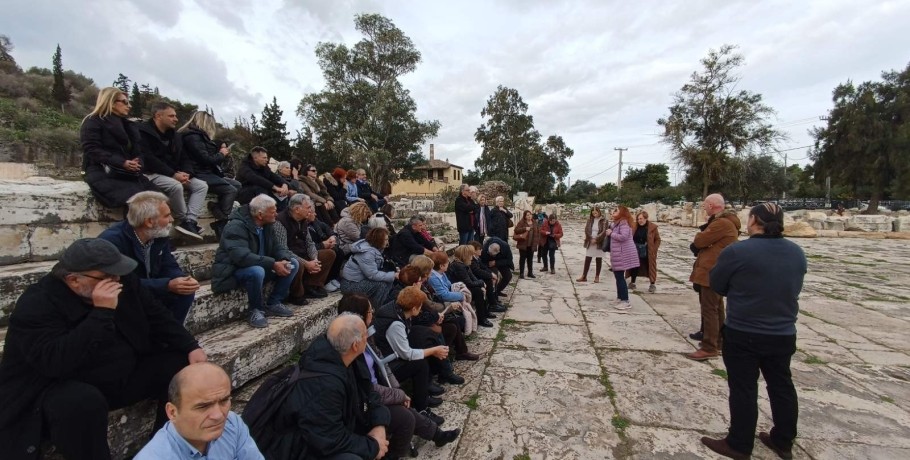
647	240
460	271
623	255
351	226
595	232
207	159
111	162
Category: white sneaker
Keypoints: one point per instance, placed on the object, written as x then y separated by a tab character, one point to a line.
623	305
332	286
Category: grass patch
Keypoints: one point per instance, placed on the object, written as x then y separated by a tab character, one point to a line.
472	401
540	372
522	456
806	313
720	373
812	359
619	422
853	262
507	322
887	399
608	387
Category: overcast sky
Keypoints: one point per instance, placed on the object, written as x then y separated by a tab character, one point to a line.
597	73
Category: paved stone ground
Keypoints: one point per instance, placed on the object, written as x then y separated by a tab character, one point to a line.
564	376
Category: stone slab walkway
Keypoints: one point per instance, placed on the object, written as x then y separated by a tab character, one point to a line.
564	376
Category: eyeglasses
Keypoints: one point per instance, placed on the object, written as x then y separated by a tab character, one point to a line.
311	170
99	278
123	101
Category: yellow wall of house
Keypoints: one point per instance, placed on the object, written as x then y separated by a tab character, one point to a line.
428	187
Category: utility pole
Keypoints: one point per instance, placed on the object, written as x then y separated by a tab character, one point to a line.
619	174
785	175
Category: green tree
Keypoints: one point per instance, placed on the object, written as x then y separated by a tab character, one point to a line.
864	145
365	117
580	191
711	121
60	92
123	83
472	177
137	102
652	176
753	177
7	62
272	133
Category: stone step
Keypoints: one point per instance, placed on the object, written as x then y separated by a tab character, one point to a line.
195	260
39	217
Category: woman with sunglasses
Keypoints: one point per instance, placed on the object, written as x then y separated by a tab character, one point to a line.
316	190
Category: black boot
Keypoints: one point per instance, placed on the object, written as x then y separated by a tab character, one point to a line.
442	438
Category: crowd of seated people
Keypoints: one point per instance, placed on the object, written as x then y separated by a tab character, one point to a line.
307	234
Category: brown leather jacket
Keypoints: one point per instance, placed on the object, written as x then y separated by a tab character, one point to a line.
722	231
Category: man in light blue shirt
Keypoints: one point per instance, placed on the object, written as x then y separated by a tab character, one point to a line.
201	424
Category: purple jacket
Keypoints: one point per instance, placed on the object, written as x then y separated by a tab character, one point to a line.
623	255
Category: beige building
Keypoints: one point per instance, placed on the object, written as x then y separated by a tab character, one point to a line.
437	176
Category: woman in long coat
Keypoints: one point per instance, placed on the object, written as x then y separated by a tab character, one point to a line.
595	232
644	232
623	255
527	238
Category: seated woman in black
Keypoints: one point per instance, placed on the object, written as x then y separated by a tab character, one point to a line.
111	162
460	271
208	159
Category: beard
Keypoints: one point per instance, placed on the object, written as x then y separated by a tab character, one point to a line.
160	232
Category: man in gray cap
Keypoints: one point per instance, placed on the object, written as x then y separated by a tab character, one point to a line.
85	339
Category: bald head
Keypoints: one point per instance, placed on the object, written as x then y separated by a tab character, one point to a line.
344	331
713	204
204	374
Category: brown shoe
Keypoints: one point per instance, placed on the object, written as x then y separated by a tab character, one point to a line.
701	355
720	350
467	357
596	279
721	447
582	280
765	439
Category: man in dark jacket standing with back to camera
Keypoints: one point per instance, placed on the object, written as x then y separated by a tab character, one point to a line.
762	278
336	414
170	170
85	339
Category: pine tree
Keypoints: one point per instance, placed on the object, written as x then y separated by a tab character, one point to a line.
60	92
272	133
137	102
123	83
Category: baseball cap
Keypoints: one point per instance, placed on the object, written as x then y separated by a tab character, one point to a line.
96	254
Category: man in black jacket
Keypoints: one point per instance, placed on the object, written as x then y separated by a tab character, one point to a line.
143	237
334	414
256	178
497	255
170	170
315	264
409	241
465	214
374	199
85	339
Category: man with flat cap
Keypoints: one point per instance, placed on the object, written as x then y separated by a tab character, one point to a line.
85	339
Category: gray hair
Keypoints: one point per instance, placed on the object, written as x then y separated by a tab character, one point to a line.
464	187
472	188
498	199
144	206
284	164
494	249
260	203
416	218
298	200
344	331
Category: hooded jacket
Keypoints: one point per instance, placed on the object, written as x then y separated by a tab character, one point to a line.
330	413
347	230
721	231
623	254
365	264
249	174
239	248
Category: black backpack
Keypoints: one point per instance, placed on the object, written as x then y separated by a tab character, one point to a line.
265	402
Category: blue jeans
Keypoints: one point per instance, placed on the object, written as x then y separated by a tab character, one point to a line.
253	278
465	237
622	289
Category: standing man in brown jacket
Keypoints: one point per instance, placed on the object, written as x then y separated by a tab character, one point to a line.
721	230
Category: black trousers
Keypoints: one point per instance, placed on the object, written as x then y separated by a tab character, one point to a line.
505	275
549	254
525	258
480	303
75	412
418	372
225	189
400	431
745	355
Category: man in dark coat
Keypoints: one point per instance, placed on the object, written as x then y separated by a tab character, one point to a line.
409	241
483	221
143	237
334	414
374	199
499	220
315	264
170	170
497	255
85	339
465	214
249	254
324	238
256	178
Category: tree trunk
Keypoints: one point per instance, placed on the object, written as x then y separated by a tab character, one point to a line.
872	209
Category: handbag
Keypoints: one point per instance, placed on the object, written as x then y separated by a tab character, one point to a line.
642	250
520	237
116	172
606	246
509	223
